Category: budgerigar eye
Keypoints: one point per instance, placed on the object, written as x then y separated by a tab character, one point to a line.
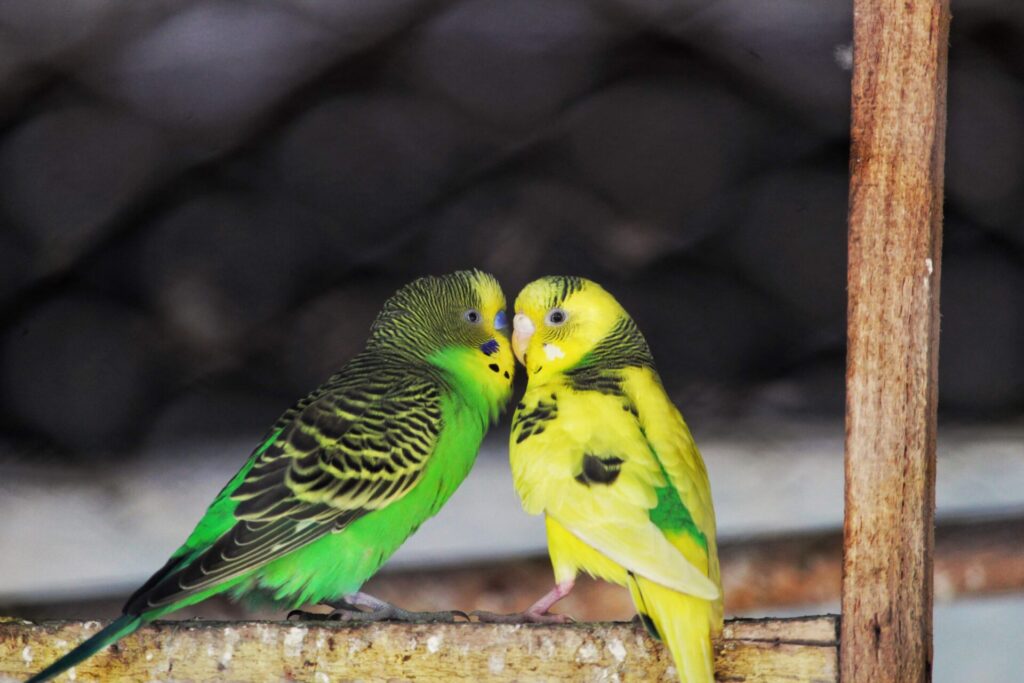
500	321
472	316
557	316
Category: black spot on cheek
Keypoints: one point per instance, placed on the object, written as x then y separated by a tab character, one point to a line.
507	376
494	367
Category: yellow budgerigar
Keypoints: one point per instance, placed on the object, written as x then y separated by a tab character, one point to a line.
599	449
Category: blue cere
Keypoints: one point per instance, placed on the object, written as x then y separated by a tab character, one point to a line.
490	346
500	321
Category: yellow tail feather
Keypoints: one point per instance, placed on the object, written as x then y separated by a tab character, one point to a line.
684	623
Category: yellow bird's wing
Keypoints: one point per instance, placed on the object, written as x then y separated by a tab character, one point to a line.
691	526
644	550
670	438
593	471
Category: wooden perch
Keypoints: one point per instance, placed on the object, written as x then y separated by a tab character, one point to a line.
804	649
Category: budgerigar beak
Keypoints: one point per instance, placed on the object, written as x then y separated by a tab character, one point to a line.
522	330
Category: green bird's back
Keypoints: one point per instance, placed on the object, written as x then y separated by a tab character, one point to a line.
347	474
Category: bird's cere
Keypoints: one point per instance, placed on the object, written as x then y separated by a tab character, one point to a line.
522	330
500	320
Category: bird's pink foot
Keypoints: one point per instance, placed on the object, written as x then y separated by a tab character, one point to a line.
526	617
537	613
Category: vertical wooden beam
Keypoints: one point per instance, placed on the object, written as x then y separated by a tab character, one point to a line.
896	168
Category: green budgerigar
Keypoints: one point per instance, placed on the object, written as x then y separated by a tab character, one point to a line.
347	474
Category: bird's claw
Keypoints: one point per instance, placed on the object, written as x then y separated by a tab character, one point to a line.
299	615
522	617
397	614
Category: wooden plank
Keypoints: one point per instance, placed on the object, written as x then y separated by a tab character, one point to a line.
73	557
975	556
896	168
979	556
755	650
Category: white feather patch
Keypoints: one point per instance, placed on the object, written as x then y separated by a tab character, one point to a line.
553	352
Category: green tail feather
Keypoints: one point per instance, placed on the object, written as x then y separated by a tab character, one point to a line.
118	629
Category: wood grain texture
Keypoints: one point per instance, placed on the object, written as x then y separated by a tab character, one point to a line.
755	650
896	168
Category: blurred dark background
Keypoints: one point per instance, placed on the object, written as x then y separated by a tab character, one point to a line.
203	204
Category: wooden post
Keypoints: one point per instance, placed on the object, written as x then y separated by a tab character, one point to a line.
896	168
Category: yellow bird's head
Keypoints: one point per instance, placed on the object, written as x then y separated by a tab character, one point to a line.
559	320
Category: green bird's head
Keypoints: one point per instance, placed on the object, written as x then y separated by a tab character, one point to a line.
457	321
564	322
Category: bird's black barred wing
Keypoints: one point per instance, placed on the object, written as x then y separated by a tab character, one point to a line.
353	448
357	444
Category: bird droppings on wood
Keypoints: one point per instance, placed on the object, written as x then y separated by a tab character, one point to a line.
617	649
293	641
803	649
